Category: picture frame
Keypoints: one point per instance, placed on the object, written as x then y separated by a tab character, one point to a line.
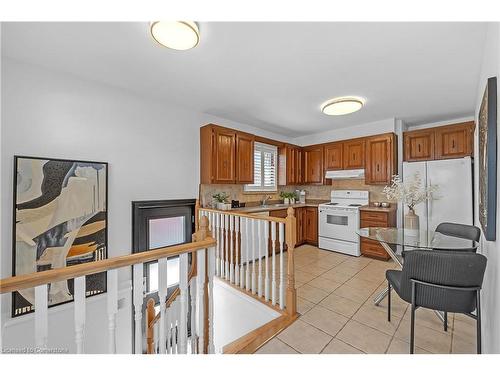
60	218
487	130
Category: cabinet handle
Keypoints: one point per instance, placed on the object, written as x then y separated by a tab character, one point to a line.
419	148
353	156
453	143
378	168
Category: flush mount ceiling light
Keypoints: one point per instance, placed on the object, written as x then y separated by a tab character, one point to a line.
178	35
342	106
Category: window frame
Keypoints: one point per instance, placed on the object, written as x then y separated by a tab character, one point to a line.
252	188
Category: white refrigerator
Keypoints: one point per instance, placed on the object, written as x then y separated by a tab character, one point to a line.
454	199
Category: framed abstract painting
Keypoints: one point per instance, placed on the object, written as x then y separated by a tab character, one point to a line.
60	219
488	160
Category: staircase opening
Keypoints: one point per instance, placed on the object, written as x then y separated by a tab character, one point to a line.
157	224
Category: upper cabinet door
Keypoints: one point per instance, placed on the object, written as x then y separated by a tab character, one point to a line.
354	154
333	156
380	159
454	141
418	145
244	158
224	156
299	175
313	165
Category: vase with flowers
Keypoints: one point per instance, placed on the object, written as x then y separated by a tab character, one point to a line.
410	193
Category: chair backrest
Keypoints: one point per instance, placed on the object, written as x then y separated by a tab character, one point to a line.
469	232
456	269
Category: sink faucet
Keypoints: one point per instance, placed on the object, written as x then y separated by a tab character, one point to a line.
265	199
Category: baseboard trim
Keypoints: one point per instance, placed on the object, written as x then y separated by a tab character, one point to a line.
253	340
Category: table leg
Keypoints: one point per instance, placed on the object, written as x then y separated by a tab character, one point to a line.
380	296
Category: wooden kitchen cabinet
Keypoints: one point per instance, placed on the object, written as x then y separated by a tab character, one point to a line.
375	217
334	156
418	145
454	141
442	142
354	154
381	154
226	155
300	214
313	165
244	158
290	165
311	225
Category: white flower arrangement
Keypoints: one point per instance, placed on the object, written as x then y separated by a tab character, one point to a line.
410	193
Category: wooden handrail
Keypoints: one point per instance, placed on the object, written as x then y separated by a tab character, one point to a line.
31	280
249	216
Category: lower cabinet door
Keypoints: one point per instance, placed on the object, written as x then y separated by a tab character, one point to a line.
373	249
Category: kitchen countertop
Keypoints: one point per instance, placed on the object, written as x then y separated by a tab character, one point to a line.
392	207
276	207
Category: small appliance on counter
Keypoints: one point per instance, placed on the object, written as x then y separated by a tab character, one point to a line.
302	196
235	204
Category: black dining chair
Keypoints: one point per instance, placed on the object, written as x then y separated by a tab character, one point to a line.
439	280
469	232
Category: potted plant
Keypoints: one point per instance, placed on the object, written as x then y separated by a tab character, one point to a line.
221	200
410	193
288	197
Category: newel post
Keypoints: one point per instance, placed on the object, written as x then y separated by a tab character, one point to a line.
291	240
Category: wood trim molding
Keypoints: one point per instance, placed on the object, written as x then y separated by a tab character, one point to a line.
255	339
31	280
233	213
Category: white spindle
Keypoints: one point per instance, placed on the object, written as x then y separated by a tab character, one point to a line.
266	251
79	296
226	256
259	243
183	299
162	294
200	281
211	272
254	244
41	316
273	247
282	283
248	236
168	325
192	293
218	247
138	301
231	248
237	239
222	248
112	304
175	327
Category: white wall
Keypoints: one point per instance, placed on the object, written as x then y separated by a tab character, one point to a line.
371	128
491	287
152	150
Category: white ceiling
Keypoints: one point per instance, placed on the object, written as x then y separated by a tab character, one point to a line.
274	75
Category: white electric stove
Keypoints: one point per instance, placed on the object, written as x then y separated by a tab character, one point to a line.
339	220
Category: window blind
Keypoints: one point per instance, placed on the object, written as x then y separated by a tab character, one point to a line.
265	168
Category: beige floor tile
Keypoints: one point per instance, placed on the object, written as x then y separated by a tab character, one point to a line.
326	263
324	284
313	270
364	338
337	346
303	277
304	338
425	338
324	319
345	269
361	284
336	275
377	319
340	305
354	294
465	330
310	293
303	305
429	319
402	347
459	346
398	306
276	346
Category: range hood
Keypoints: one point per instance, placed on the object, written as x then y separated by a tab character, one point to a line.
346	174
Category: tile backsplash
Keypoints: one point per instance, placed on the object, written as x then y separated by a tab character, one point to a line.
236	192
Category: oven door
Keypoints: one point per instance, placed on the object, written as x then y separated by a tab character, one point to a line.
338	223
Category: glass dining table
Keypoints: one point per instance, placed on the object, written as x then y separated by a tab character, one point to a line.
397	241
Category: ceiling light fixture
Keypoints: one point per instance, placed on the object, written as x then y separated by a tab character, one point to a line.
178	35
342	106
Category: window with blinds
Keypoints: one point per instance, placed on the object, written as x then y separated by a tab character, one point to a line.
265	160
